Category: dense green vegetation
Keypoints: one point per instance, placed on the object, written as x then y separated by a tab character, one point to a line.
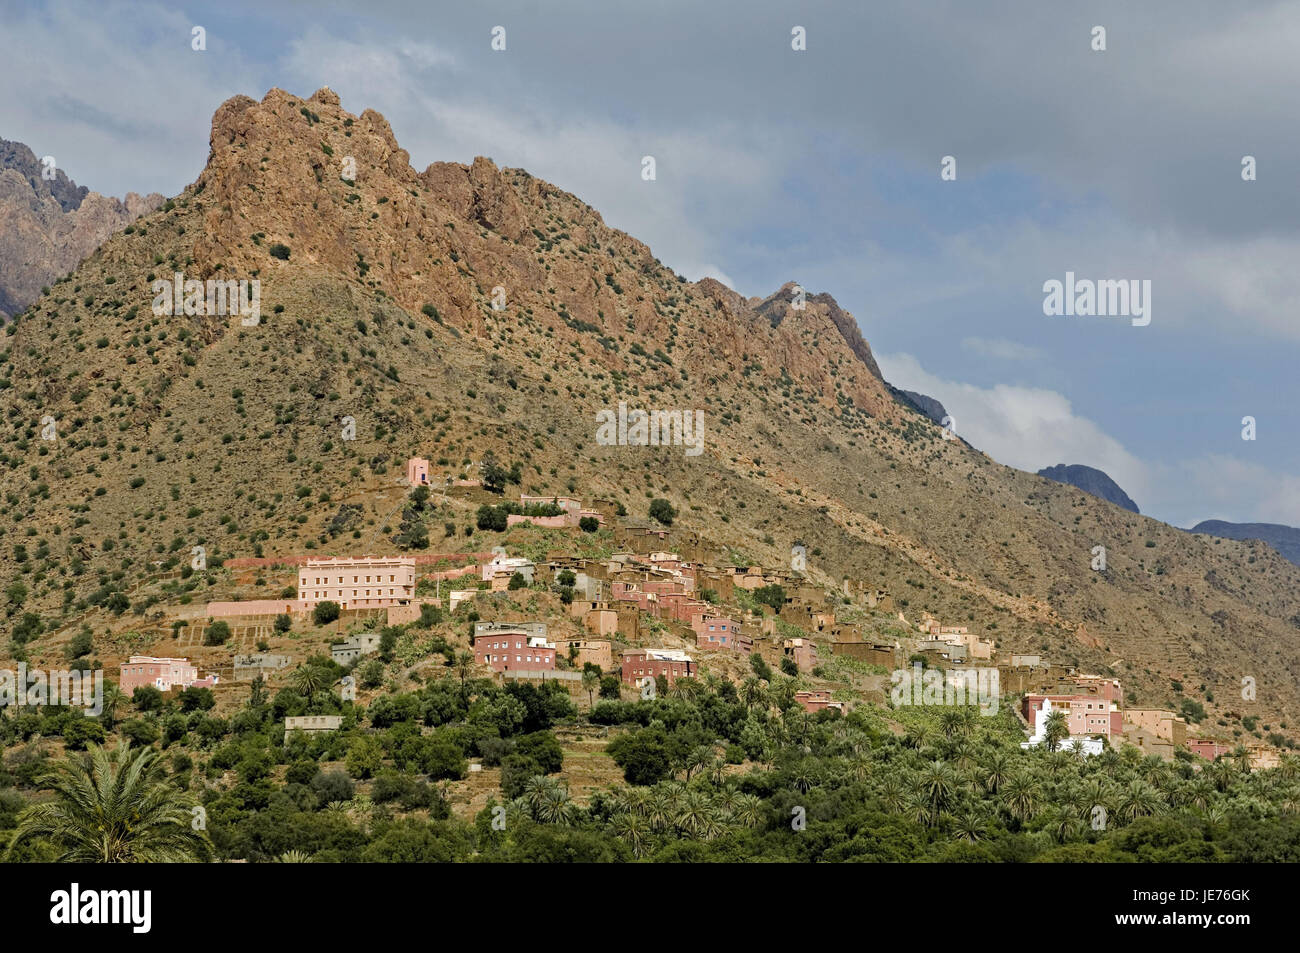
714	772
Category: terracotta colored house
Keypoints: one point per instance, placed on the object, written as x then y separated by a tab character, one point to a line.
162	673
417	471
503	648
1207	749
814	701
720	632
651	663
362	582
802	651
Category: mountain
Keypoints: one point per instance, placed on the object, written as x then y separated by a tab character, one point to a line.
931	408
1090	480
1285	539
48	226
468	310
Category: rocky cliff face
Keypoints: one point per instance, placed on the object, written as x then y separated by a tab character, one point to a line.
48	226
1090	480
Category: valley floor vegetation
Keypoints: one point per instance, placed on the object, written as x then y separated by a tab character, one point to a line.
712	771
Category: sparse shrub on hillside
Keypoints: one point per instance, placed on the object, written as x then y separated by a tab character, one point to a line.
325	613
662	511
280	251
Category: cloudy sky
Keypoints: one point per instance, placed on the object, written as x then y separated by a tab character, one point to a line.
823	166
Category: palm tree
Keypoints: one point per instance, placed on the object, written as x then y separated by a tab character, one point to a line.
938	784
463	666
1020	795
997	768
294	857
893	795
1138	799
309	679
590	682
968	826
114	807
1056	730
632	828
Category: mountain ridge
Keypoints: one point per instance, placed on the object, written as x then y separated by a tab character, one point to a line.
378	305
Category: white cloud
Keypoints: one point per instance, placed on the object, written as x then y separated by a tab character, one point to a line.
1024	427
1001	349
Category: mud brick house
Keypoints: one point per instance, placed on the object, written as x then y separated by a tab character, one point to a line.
1212	750
582	651
802	652
349	650
873	653
1163	724
311	724
815	701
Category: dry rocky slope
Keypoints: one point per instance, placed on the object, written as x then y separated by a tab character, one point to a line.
179	430
48	226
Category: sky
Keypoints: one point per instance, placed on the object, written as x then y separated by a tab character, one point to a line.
823	166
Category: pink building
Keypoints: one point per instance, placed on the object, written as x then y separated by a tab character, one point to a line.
814	701
720	632
514	650
802	651
362	582
1085	714
1207	749
672	664
417	471
162	673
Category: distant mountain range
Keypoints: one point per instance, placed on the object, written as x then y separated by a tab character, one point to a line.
1285	539
1090	480
48	224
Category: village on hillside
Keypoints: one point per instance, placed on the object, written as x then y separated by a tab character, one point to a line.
662	606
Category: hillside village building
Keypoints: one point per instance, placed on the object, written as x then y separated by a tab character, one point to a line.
1084	714
364	643
1212	750
311	724
417	471
163	674
504	646
816	700
1079	742
501	569
598	652
672	664
802	652
360	582
720	632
